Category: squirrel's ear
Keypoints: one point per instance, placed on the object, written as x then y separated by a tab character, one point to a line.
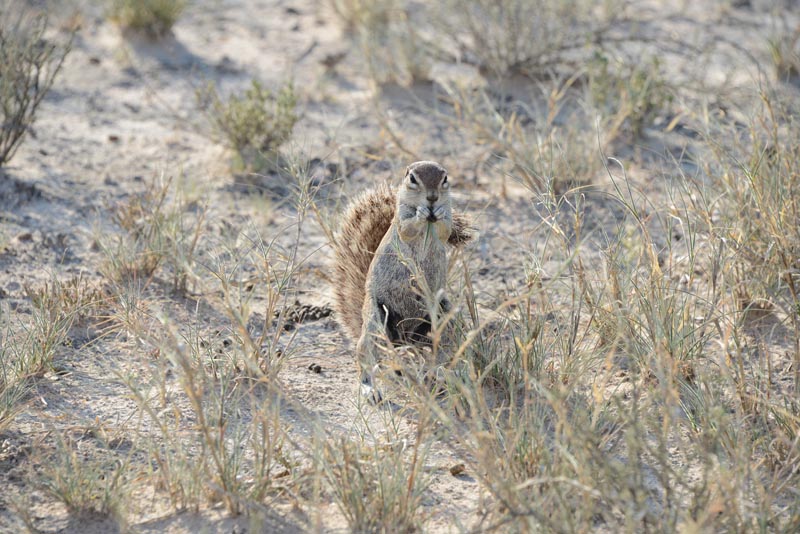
408	170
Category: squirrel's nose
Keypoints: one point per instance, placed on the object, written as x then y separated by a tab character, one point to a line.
432	196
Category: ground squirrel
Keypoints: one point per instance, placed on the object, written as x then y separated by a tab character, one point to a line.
391	262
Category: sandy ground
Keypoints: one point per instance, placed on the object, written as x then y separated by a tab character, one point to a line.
123	111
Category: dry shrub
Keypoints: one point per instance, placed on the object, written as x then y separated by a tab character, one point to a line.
154	18
524	36
29	64
253	123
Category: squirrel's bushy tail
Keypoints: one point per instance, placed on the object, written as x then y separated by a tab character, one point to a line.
361	229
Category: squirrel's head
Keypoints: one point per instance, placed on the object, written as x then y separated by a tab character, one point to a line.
424	182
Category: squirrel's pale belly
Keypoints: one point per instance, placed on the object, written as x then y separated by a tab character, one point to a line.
407	276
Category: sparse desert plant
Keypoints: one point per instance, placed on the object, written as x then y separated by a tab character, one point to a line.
76	295
160	231
553	138
260	350
13	390
757	173
626	94
244	261
155	18
87	483
559	159
390	41
357	14
403	57
785	51
232	451
500	37
758	216
29	64
52	317
377	485
554	154
523	36
27	349
13	382
254	123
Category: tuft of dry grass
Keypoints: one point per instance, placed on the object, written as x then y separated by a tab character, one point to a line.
90	482
154	18
159	232
627	94
556	154
527	37
232	453
14	384
387	38
376	481
30	345
756	220
785	51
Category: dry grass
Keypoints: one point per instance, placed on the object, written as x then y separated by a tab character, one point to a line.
785	50
524	37
89	484
158	232
376	482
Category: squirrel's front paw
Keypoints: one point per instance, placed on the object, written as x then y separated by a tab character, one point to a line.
440	212
424	214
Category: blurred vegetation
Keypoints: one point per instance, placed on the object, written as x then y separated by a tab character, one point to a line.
29	63
154	18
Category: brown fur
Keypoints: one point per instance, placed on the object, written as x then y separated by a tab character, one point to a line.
361	229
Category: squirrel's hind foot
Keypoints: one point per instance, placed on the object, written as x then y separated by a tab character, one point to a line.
368	389
372	394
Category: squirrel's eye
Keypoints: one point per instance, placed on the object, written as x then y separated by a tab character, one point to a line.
412	182
445	183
